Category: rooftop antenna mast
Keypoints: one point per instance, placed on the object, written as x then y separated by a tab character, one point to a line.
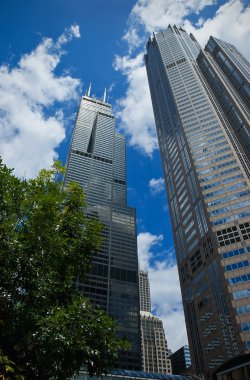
89	90
105	95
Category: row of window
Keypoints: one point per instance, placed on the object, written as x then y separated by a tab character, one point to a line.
229	198
221	173
235	206
211	328
239	279
234	252
222	181
241	294
212	345
211	153
239	265
215	159
245	309
216	167
229	188
230	218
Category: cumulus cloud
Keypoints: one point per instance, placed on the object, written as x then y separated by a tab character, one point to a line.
133	39
164	287
234	13
157	14
135	110
146	241
157	185
167	302
29	132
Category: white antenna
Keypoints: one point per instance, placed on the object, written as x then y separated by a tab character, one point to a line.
105	95
88	93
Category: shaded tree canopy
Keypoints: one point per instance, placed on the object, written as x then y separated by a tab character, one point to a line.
47	328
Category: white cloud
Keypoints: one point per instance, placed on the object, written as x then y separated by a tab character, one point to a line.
158	14
167	301
230	23
133	39
28	91
135	109
69	33
146	241
164	287
157	185
75	29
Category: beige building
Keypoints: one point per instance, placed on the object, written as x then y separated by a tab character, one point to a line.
153	340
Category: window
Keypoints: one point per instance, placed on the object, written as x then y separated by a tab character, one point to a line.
245	230
211	328
245	326
195	261
189	238
239	265
238	279
241	294
245	309
189	227
212	345
228	236
233	253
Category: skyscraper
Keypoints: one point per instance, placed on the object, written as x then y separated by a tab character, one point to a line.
97	161
145	299
153	342
201	108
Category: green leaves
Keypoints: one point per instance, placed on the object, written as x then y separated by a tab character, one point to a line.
47	328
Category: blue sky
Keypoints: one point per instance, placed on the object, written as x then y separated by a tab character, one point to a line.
52	49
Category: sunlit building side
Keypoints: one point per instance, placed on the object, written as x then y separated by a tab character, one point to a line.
201	107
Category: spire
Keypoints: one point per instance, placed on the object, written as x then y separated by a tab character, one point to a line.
89	90
105	95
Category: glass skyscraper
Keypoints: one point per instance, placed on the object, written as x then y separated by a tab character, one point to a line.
201	103
97	161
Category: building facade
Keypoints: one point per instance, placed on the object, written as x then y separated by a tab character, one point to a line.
97	161
181	360
145	299
153	341
201	107
153	345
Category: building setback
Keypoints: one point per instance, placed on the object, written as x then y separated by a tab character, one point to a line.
201	107
153	342
97	161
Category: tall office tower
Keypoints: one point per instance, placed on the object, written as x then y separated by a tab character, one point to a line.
153	342
153	345
145	299
201	108
97	161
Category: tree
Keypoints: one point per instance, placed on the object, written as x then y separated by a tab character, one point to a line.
47	328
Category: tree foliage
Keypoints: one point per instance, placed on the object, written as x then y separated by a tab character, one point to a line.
47	328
